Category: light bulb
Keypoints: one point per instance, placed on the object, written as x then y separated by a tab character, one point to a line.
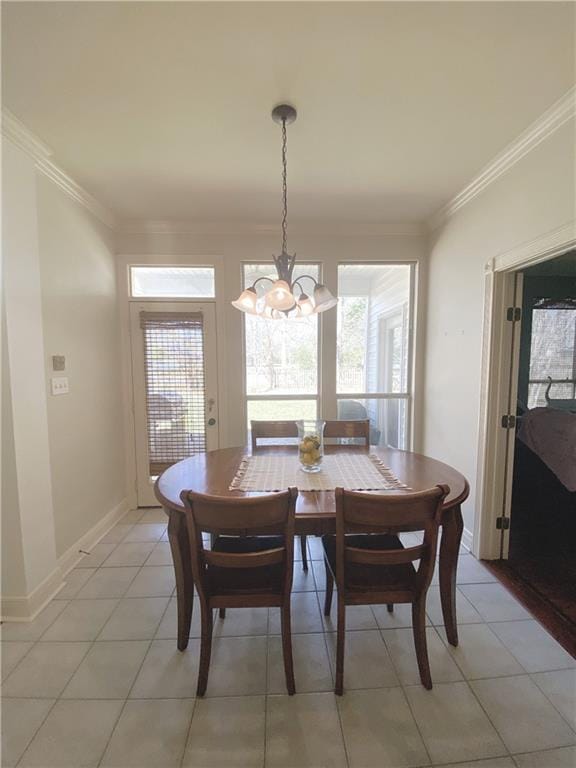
246	302
323	299
280	296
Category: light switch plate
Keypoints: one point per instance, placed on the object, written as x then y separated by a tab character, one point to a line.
60	385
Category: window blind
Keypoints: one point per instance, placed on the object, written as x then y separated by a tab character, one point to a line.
175	386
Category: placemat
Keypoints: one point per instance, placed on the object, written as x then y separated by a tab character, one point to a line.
354	471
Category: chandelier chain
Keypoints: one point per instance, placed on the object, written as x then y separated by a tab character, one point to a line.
284	191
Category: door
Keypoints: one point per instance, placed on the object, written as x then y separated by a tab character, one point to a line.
174	387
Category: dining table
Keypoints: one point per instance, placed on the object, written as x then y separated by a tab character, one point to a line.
213	473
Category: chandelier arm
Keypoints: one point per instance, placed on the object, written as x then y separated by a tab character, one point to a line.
259	280
302	277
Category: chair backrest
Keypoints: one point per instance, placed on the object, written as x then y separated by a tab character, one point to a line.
256	515
392	513
279	429
357	428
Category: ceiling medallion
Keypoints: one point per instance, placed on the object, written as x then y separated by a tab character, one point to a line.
285	297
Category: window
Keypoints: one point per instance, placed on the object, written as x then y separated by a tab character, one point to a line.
281	358
552	351
373	349
172	282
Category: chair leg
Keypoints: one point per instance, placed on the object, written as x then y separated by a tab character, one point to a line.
390	607
329	590
205	649
419	629
340	638
222	613
304	553
287	648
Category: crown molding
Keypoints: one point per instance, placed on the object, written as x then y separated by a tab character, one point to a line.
14	130
227	227
547	124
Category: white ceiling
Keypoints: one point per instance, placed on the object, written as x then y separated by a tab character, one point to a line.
161	110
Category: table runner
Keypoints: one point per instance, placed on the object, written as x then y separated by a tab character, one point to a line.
276	472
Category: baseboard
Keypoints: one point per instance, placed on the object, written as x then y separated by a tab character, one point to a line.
26	608
467	539
72	556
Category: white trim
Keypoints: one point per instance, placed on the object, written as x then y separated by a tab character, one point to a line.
467	539
14	130
549	122
207	228
26	608
495	369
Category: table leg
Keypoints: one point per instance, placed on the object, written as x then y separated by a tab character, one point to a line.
452	526
180	547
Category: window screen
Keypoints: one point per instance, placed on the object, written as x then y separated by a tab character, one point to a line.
175	391
552	351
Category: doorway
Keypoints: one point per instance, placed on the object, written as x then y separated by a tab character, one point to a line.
174	378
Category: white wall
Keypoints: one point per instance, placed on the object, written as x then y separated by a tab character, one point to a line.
535	197
80	321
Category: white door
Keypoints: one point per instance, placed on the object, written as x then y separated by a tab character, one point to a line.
174	379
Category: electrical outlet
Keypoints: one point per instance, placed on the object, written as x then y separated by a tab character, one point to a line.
60	385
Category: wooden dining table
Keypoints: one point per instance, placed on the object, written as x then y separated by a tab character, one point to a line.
212	473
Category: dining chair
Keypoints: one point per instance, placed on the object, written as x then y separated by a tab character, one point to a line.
371	566
349	428
279	430
250	564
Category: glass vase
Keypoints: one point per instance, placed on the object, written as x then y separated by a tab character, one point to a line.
311	444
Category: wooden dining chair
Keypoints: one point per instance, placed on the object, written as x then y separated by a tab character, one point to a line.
279	430
349	428
371	566
250	564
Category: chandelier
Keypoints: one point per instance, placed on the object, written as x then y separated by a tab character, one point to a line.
285	297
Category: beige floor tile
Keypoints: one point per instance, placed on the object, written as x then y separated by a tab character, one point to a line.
160	555
553	758
560	688
311	665
133	516
33	630
303	581
107	671
74	581
465	611
74	735
81	620
168	673
400	644
473	571
400	617
303	731
237	666
12	654
305	613
481	654
108	582
168	627
45	670
523	716
97	555
367	663
357	616
153	581
534	648
379	730
241	621
493	762
146	532
150	734
315	548
129	554
319	571
452	723
117	533
493	602
227	732
135	618
154	516
21	718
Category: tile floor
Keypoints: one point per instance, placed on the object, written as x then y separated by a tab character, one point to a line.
96	679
